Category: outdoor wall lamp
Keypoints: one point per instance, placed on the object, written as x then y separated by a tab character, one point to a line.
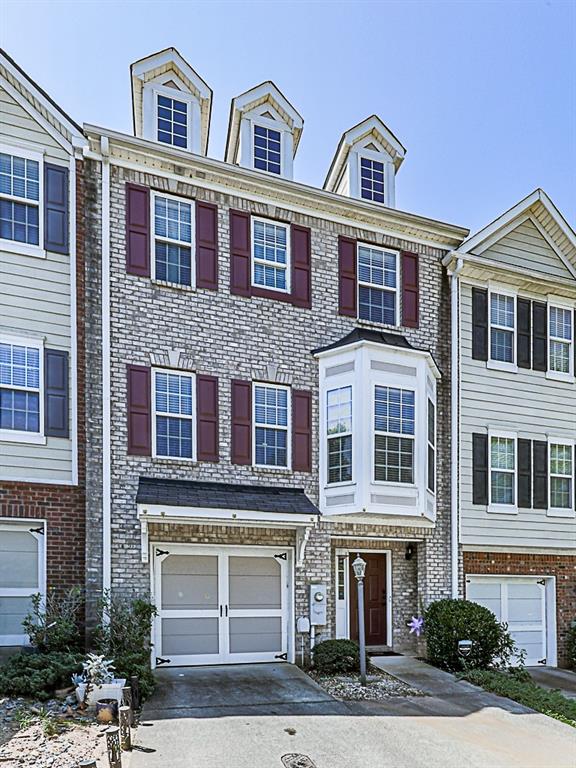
409	551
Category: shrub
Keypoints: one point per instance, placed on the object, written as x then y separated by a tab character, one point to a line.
53	624
336	657
124	636
38	674
448	621
572	646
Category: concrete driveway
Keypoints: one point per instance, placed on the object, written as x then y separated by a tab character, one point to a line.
253	716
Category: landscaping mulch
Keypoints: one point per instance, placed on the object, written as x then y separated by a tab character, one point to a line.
380	686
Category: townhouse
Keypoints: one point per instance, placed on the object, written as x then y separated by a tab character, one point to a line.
42	530
271	395
514	284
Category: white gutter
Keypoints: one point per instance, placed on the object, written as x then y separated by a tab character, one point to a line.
106	459
454	417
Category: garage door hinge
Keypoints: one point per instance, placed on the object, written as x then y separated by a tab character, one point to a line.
542	582
542	661
37	530
281	556
283	656
161	552
162	661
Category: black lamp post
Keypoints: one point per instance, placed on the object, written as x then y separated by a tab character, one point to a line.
359	567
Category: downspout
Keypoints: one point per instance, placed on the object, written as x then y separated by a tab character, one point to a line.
106	458
454	428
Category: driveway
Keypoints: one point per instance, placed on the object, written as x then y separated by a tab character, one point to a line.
252	716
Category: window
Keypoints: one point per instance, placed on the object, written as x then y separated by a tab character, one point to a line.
19	199
172	240
502	470
341	576
172	121
173	414
271	420
20	392
267	149
561	475
431	446
394	414
371	180
270	255
377	284
560	340
502	327
339	432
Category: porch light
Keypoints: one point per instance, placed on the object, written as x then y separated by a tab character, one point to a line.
359	567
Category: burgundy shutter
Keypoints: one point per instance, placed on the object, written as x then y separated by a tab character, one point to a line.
207	417
137	230
301	267
347	276
240	253
241	422
207	246
56	393
301	430
410	290
139	432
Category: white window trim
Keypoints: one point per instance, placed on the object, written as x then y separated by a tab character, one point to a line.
192	418
253	259
560	511
12	246
21	436
430	400
25	525
507	509
400	435
350	433
395	291
501	365
287	428
154	237
560	375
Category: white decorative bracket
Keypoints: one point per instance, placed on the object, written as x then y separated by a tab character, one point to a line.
144	540
302	536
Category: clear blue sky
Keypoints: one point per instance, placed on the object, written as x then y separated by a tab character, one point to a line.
482	94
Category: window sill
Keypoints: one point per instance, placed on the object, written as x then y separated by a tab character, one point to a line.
270	293
22	249
499	365
378	326
345	484
503	509
177	286
557	512
12	436
558	376
274	470
391	484
172	460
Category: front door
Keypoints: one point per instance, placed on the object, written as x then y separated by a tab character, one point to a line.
374	599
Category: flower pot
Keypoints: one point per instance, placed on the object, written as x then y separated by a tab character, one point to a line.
111	690
106	710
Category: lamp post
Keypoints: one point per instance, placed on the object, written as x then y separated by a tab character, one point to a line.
359	567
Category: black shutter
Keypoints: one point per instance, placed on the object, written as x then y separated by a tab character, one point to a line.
479	324
524	336
539	336
540	458
479	469
56	393
524	473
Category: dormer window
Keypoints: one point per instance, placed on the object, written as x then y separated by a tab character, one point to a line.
267	149
172	123
371	180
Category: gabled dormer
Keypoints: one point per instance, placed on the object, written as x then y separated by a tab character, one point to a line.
171	103
264	131
366	162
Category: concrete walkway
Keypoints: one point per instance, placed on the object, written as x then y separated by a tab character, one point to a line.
253	716
553	678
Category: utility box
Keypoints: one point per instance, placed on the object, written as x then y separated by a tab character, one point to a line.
318	611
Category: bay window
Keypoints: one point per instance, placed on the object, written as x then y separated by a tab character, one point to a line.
394	420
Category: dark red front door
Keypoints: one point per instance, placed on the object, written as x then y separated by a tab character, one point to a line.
374	599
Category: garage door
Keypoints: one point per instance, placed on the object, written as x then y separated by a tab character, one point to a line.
521	603
220	606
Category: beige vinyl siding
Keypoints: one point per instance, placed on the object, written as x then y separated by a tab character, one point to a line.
525	247
34	301
527	403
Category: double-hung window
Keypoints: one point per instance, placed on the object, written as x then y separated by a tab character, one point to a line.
172	121
394	425
339	434
560	343
20	388
271	425
502	328
561	462
502	470
172	240
267	149
371	180
20	195
431	469
173	417
270	255
377	285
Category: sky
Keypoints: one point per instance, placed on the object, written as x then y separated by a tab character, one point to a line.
481	94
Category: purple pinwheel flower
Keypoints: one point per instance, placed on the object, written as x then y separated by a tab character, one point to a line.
416	625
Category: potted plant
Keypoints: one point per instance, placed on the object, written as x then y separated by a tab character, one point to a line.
97	681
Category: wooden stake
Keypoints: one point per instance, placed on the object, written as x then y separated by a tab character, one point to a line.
113	747
124	715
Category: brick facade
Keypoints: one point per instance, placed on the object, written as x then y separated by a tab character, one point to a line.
562	567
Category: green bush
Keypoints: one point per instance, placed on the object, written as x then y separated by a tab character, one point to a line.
336	657
448	621
53	623
525	692
38	675
572	646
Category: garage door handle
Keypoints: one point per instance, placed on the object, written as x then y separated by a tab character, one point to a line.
226	610
220	611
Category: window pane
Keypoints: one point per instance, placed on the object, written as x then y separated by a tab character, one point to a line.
502	345
560	356
502	488
173	437
271	406
372	180
377	305
431	423
19	222
266	149
394	459
339	410
174	393
19	177
502	310
172	118
561	459
502	454
340	459
394	410
173	263
560	323
271	447
19	410
376	267
561	492
19	366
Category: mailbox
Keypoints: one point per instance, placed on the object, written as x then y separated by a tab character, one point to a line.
318	604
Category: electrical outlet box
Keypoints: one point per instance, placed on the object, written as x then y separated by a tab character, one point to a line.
318	613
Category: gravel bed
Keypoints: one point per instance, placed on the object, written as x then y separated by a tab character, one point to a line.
379	686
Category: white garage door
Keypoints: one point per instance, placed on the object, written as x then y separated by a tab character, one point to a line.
521	603
220	606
